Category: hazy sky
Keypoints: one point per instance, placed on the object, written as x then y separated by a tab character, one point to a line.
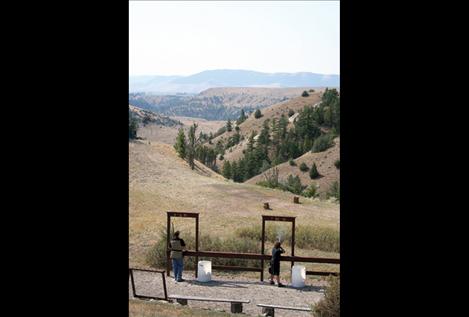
186	37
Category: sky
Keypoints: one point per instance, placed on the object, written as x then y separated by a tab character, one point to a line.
187	37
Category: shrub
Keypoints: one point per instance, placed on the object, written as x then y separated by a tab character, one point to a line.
293	185
304	94
311	90
257	114
329	306
156	257
313	173
292	162
337	164
334	191
291	112
312	237
311	191
322	143
303	167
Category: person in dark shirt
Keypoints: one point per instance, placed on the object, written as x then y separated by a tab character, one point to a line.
275	264
177	247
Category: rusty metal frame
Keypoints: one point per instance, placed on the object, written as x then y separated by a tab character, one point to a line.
247	256
277	218
170	214
134	293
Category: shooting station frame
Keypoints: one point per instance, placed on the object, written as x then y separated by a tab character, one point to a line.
170	214
237	255
277	218
132	280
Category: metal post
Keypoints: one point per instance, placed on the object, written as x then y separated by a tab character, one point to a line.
196	243
168	260
164	285
133	283
262	248
293	242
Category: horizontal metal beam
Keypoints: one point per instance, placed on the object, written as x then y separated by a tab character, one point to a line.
256	256
236	268
322	273
277	218
183	214
147	270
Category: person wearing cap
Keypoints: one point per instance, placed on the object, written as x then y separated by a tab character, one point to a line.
274	269
177	246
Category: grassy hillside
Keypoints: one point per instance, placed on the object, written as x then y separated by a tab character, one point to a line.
325	165
160	181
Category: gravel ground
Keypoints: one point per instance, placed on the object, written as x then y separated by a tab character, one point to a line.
236	287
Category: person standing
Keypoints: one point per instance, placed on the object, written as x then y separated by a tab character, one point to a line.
275	264
177	246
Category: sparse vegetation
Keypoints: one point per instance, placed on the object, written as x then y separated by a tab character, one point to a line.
292	162
329	306
337	164
311	191
291	112
304	167
306	236
334	191
305	94
313	173
156	257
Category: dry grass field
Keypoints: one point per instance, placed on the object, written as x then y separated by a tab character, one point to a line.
160	181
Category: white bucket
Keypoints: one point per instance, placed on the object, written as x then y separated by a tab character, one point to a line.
204	271
298	276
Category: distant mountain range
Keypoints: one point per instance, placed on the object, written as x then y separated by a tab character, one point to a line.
196	83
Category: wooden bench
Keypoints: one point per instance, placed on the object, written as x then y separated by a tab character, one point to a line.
269	310
236	304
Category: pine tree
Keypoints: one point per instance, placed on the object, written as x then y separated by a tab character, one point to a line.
242	117
191	148
303	167
229	127
257	114
133	127
180	145
226	172
313	173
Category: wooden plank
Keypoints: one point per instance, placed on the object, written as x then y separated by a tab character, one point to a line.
206	299
284	307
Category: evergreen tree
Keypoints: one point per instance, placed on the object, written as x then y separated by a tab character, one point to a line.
242	117
303	167
313	173
180	145
133	127
257	114
191	146
229	127
226	172
304	94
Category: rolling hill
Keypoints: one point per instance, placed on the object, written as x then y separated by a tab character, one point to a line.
228	78
215	103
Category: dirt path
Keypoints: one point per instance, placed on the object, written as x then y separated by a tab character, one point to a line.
235	287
